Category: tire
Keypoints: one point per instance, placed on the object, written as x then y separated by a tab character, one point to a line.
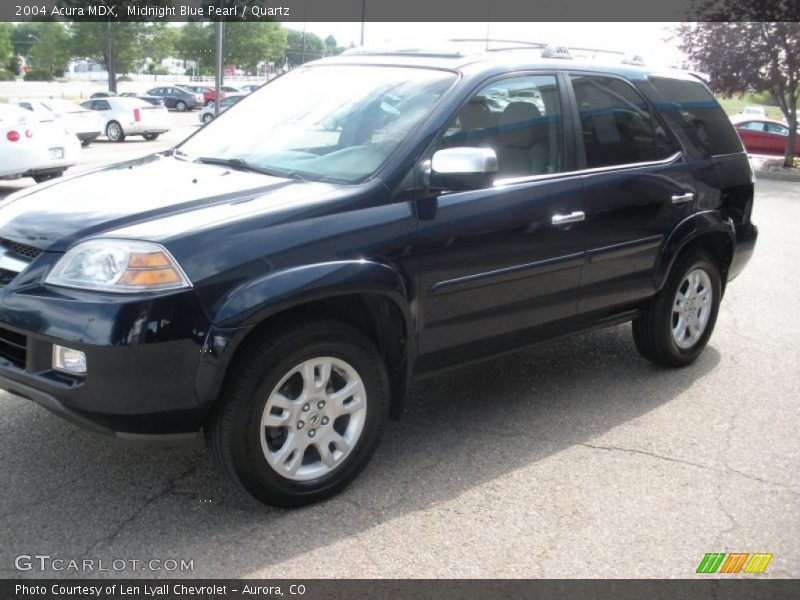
207	118
673	331
85	143
180	106
150	136
114	132
283	465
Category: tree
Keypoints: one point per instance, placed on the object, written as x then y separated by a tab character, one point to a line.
158	40
302	47
5	45
22	38
50	51
331	47
749	56
195	42
248	44
91	40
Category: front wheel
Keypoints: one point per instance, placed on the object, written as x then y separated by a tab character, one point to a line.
302	414
207	118
675	327
150	136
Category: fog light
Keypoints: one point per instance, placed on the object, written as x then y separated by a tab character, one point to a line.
69	360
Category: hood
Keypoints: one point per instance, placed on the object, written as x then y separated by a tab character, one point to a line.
55	215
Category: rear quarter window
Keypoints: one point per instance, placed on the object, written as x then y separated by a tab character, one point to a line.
700	114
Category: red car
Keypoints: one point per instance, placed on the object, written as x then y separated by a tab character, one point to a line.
208	92
764	136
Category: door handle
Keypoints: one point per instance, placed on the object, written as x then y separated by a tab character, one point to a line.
681	198
573	217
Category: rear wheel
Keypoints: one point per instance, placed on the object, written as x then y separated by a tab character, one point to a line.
207	118
302	414
114	132
180	106
675	328
150	136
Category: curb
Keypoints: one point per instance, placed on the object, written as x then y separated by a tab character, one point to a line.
777	175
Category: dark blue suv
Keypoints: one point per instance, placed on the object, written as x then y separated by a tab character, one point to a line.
279	278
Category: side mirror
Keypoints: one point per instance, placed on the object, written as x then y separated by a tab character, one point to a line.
462	168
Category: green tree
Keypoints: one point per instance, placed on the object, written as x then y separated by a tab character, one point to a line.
23	37
51	50
158	40
303	47
195	41
248	44
747	57
331	47
5	46
91	40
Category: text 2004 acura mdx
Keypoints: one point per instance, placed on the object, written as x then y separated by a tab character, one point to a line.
280	277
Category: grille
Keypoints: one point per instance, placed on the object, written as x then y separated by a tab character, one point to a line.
7	276
13	347
21	249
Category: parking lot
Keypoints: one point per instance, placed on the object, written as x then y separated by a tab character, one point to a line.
577	459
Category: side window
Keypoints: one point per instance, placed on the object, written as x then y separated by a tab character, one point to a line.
617	125
776	128
752	126
701	115
520	119
102	105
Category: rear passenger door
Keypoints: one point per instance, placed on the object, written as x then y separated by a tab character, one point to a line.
637	185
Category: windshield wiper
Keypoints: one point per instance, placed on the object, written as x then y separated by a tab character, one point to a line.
242	165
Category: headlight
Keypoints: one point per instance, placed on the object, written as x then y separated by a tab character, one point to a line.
118	266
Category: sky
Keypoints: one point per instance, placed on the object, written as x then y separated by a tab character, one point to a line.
650	40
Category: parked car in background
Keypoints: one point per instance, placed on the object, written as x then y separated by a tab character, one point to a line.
124	117
230	89
178	98
251	87
84	123
33	147
102	95
764	136
207	114
154	100
209	93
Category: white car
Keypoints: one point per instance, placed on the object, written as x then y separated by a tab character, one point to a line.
30	147
124	117
84	123
754	111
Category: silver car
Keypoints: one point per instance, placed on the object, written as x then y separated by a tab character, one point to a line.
207	114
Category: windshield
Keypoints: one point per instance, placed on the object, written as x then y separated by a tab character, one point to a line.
326	123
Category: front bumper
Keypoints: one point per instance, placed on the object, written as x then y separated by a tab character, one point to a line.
142	356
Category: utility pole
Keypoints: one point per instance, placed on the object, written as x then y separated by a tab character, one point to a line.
363	19
220	72
110	67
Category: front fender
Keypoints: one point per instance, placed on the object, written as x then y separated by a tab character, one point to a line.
686	231
277	291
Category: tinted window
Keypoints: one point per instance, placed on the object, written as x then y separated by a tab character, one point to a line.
101	105
520	119
617	125
752	126
701	115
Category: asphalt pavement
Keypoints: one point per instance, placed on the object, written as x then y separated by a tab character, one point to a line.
577	459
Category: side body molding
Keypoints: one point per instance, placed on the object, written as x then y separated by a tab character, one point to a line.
689	229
